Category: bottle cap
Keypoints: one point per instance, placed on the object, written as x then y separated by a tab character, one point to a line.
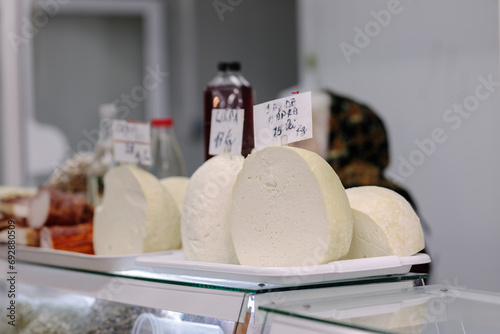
234	66
222	66
162	122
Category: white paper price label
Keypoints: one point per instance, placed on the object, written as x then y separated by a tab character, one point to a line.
283	121
131	142
226	131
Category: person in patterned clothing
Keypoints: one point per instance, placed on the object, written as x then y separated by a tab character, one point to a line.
358	146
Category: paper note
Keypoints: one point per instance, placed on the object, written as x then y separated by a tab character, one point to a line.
131	142
226	131
283	121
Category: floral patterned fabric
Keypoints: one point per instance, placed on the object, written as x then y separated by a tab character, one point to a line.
358	146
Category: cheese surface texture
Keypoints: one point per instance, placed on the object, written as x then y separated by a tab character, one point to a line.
137	215
205	227
384	224
176	186
289	208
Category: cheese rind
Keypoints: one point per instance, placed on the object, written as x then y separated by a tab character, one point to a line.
289	208
205	227
137	215
384	224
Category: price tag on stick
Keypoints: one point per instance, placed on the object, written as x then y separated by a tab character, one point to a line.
131	142
226	131
283	121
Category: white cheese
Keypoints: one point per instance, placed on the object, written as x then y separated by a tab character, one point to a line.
384	224
137	215
176	186
289	208
205	228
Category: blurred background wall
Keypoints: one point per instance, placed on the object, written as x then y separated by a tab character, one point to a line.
84	61
421	61
261	34
80	63
427	58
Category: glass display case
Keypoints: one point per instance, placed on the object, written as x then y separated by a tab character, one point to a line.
80	301
59	299
420	309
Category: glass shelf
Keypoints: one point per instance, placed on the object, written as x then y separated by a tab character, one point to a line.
259	288
214	298
423	309
234	285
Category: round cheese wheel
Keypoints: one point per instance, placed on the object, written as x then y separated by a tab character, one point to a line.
137	215
205	228
384	224
289	208
176	186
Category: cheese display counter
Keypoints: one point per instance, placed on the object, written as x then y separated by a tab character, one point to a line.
53	299
309	264
255	235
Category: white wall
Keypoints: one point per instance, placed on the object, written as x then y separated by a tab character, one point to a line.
80	63
427	58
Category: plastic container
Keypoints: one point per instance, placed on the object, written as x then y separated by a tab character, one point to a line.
229	90
147	323
167	158
103	154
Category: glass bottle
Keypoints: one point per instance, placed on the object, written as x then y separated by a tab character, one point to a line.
103	154
229	90
167	159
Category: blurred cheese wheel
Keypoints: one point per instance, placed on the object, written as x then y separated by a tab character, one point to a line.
384	224
176	186
137	215
289	208
205	228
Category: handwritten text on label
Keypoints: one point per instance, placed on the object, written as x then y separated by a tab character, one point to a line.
226	131
131	142
283	121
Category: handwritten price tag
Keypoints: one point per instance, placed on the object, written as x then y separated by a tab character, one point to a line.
226	131
131	142
283	121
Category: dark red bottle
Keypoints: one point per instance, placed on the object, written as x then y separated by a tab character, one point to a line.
230	90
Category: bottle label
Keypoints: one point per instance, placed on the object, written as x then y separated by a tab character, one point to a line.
283	121
131	142
226	131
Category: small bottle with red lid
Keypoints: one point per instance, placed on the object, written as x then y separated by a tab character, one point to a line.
167	158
